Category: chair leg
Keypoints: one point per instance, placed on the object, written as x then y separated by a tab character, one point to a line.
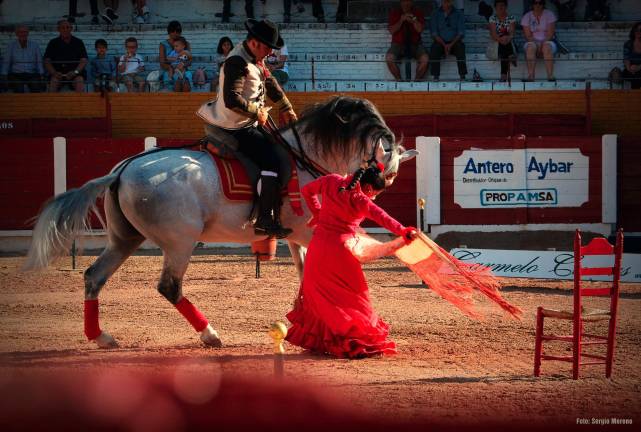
609	358
538	341
576	351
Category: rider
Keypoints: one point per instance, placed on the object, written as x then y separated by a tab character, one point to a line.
240	111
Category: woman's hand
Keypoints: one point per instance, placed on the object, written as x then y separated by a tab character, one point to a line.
409	234
290	116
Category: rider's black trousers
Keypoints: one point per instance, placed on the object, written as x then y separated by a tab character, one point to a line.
258	147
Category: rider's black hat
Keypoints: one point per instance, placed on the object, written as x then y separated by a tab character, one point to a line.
266	32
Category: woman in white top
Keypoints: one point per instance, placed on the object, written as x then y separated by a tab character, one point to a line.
538	29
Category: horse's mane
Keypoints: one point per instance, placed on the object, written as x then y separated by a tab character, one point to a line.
343	125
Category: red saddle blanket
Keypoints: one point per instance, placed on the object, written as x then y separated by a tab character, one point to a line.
237	185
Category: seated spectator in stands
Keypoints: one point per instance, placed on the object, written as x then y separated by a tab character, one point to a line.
65	59
406	23
73	11
174	31
538	29
180	59
317	10
632	57
502	27
448	30
276	62
22	64
140	12
225	45
102	68
131	66
226	14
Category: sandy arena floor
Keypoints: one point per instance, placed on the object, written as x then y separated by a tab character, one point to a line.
449	368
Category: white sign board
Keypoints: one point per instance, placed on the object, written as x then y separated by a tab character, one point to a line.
521	178
544	264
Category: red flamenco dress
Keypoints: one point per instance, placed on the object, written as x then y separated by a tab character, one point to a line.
334	314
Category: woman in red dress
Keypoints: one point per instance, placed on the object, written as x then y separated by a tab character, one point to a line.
333	314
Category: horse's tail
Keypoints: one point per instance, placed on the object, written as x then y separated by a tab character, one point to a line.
62	219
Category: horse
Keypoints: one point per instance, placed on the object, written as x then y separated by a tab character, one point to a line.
174	198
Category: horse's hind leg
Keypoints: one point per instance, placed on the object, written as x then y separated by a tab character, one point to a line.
116	252
176	259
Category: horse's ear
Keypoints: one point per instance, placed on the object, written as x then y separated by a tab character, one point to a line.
408	154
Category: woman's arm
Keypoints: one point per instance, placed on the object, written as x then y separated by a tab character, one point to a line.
371	211
310	193
493	34
549	31
162	58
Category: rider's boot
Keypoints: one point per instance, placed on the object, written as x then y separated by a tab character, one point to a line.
268	221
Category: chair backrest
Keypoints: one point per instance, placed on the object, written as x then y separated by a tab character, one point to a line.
597	247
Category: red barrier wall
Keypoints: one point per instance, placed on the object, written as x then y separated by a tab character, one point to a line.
629	184
26	180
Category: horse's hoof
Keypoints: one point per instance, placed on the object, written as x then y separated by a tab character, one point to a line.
210	337
106	341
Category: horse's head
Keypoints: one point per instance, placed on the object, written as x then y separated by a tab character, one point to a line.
347	132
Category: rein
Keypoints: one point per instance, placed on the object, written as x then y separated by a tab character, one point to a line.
300	157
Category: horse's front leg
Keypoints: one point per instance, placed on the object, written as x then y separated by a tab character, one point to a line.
298	255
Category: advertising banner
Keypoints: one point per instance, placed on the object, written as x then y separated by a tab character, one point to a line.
544	264
533	177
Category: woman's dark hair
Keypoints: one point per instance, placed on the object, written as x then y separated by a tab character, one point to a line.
500	1
634	27
222	40
371	176
174	26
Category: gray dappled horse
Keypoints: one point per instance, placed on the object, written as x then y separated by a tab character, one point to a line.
174	198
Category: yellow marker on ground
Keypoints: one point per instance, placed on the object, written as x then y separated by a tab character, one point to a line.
278	332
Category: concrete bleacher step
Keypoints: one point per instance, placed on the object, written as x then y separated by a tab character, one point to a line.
354	54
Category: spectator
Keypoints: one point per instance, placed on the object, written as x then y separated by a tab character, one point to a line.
249	9
22	63
406	23
174	31
109	15
632	57
317	10
131	66
140	12
502	28
538	29
180	59
73	11
276	62
448	30
102	68
225	45
65	59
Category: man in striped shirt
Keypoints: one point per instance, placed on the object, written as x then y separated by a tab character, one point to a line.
22	64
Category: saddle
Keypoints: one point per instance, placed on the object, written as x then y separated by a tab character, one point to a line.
238	174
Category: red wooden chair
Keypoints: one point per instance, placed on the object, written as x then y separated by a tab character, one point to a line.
579	315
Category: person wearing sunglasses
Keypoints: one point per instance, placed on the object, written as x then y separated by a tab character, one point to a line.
538	29
632	57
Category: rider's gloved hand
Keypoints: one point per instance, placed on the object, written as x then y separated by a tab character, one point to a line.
262	115
289	116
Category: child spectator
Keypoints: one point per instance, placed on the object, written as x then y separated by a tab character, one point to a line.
131	66
225	45
179	61
276	62
102	69
632	57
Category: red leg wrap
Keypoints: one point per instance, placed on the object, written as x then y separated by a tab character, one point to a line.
92	327
192	314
